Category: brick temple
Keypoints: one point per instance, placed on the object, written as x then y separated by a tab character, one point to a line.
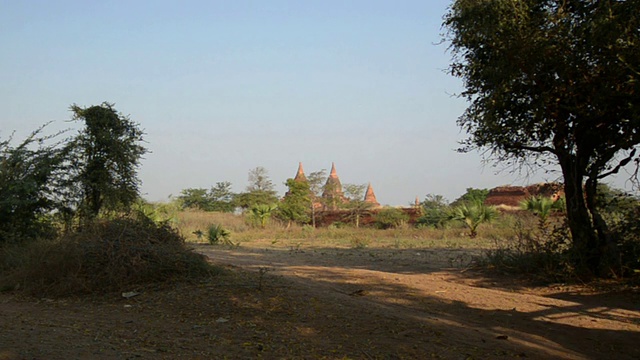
332	194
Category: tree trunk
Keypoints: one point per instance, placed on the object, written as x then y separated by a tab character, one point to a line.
606	248
584	240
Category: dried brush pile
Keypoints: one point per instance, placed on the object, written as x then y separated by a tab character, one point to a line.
108	256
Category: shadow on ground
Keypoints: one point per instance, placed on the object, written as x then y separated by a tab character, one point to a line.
429	289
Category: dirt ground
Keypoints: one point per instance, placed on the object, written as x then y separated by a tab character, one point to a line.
330	304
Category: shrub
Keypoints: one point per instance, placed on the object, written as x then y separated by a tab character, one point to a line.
390	218
216	234
115	255
546	257
437	218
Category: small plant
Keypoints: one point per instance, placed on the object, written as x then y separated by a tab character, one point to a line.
199	234
307	231
261	213
542	207
474	214
359	242
218	235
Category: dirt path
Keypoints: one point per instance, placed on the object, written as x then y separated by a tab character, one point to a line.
328	304
430	289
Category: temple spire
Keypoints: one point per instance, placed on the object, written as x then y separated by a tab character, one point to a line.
333	174
370	197
300	174
332	193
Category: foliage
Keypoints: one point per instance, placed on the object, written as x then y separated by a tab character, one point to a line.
217	234
356	205
553	82
542	207
222	198
548	258
472	196
107	153
260	190
159	213
247	200
316	181
259	180
262	213
28	192
473	214
435	212
390	218
296	204
106	256
621	211
218	198
194	199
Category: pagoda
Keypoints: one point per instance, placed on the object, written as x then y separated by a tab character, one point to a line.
300	174
370	197
333	194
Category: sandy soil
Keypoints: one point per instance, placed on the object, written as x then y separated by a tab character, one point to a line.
332	304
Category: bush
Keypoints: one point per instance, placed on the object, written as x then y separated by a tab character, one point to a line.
216	234
437	218
106	256
544	257
390	218
29	175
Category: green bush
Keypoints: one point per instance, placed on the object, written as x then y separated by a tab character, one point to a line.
216	234
390	218
437	218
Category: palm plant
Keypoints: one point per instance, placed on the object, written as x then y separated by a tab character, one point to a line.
262	213
217	234
542	207
473	214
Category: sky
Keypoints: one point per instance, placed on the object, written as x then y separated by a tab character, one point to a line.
222	87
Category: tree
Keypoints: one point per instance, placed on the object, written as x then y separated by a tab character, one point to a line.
316	180
553	82
471	196
260	190
259	180
222	198
108	153
296	204
29	177
435	211
195	199
219	198
356	205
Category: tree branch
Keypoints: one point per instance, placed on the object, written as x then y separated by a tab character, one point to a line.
620	165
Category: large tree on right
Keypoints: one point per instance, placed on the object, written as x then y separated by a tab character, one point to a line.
553	82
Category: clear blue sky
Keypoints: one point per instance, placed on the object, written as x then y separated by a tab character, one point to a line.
221	87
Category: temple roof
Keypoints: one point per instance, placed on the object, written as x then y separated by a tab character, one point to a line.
333	187
300	175
370	197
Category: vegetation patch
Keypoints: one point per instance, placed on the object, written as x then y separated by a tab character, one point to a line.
115	255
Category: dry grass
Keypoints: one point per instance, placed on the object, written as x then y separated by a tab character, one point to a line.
278	235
